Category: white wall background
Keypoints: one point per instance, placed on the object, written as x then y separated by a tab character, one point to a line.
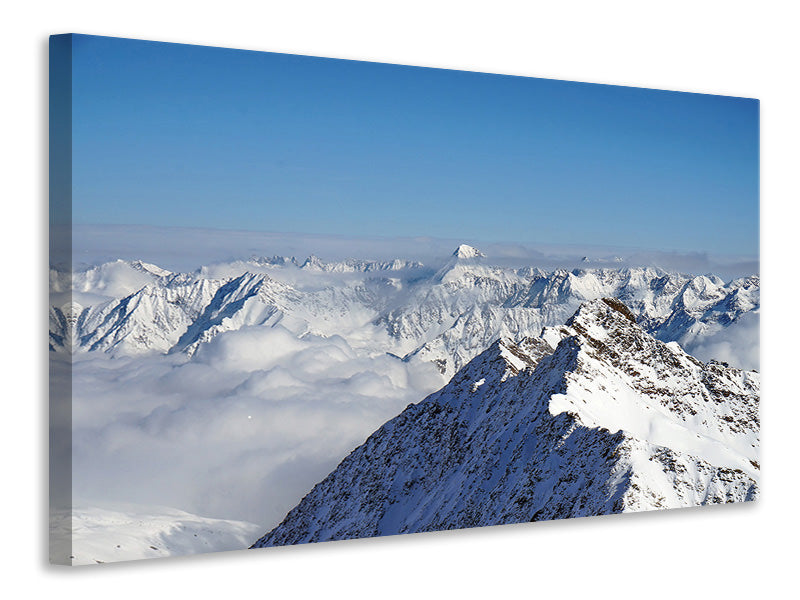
734	48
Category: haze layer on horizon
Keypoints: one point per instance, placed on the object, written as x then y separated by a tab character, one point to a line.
186	249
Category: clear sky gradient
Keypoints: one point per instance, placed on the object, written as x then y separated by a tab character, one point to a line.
191	136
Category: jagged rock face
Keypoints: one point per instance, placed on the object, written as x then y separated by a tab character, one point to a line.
593	417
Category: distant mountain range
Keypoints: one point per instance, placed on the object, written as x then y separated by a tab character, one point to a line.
446	316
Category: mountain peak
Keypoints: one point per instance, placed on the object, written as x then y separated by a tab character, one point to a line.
606	420
313	262
599	310
149	268
467	251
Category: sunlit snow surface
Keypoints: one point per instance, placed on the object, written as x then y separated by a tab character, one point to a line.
128	532
233	389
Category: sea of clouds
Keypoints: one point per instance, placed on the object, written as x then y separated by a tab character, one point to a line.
242	431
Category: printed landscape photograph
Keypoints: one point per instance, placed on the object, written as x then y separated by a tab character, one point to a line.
298	299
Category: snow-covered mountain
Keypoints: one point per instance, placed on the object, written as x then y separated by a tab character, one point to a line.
472	304
593	417
446	316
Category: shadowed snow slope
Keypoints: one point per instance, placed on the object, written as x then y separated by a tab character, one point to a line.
594	417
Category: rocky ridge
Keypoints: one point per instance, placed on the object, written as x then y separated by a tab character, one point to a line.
592	417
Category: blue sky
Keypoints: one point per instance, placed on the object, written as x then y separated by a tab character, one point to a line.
191	136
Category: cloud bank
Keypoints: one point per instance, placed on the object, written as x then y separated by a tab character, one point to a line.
242	432
737	344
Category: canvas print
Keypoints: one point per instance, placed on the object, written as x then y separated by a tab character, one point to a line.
299	299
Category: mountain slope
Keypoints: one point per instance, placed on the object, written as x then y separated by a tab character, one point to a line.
593	417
